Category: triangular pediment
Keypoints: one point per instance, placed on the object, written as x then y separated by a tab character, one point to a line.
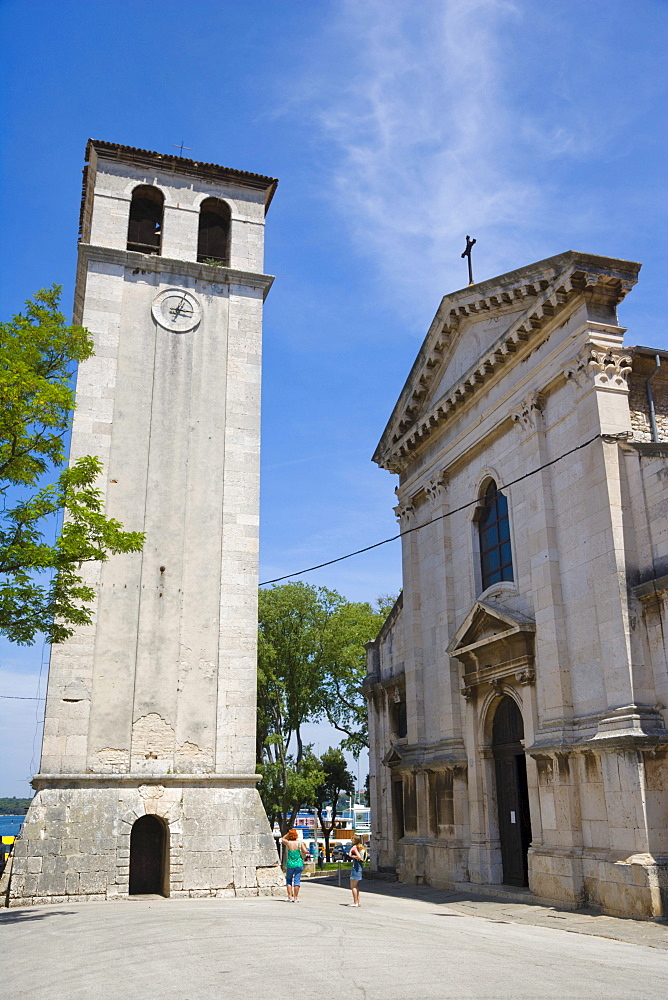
485	624
474	338
392	757
480	329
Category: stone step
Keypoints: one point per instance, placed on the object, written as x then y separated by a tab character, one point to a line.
509	893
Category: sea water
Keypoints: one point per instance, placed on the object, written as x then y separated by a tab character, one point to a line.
10	825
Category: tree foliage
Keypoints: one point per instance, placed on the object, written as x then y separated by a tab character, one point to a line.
287	785
337	779
311	664
290	624
40	586
343	662
14	806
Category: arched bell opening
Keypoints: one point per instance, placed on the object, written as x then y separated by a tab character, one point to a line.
149	867
213	238
512	795
145	222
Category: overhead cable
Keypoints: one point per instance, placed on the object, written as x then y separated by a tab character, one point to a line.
449	513
21	697
408	531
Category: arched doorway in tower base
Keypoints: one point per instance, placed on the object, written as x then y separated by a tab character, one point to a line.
148	856
512	795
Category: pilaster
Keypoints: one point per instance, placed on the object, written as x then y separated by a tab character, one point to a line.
553	681
406	513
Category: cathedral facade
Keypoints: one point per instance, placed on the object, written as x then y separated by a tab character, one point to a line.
518	691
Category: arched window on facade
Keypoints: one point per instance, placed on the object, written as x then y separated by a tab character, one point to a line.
145	227
496	560
399	716
213	241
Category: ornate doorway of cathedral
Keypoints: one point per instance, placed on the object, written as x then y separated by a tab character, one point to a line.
148	841
511	791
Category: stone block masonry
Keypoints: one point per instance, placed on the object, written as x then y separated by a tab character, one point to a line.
646	373
219	842
533	750
147	779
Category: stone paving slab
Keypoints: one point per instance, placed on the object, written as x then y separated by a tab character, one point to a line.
395	947
653	934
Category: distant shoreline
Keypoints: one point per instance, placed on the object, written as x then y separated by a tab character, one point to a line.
10	805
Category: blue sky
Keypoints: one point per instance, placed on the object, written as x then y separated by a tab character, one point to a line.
395	128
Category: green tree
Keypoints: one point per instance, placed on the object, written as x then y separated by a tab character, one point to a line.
337	779
291	621
341	700
311	664
288	785
14	806
40	586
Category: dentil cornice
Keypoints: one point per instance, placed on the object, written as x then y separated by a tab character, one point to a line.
543	290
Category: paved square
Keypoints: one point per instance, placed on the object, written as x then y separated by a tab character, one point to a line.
402	944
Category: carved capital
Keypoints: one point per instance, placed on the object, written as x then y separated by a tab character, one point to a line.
604	369
525	677
528	418
404	513
575	373
468	691
610	369
460	770
437	490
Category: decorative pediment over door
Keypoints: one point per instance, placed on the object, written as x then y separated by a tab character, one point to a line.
392	758
492	644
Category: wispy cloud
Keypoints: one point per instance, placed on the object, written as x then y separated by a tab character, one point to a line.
433	132
421	131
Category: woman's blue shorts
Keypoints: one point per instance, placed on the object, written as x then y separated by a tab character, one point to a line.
356	873
293	876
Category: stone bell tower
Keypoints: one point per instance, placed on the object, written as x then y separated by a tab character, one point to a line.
147	780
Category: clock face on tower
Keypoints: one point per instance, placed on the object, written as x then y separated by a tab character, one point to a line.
177	310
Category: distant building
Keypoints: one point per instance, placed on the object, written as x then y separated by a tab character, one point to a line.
517	691
348	821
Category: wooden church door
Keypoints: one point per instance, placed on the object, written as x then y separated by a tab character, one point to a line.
511	792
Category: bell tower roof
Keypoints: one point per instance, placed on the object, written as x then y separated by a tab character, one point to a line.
165	163
159	205
180	165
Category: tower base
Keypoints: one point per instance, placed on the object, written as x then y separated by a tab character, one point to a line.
203	835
